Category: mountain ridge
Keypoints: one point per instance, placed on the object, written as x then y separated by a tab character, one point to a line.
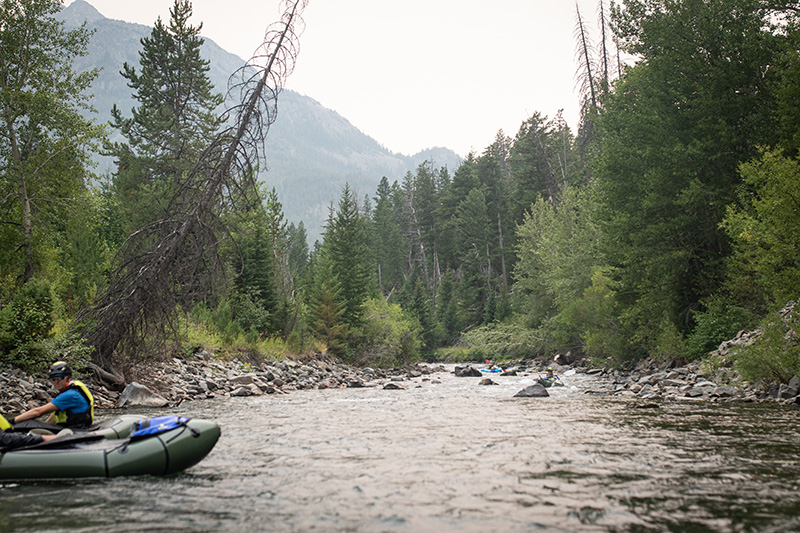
311	151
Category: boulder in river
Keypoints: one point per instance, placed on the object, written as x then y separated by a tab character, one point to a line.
467	372
533	391
136	394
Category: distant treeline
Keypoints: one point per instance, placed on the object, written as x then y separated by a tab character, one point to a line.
668	222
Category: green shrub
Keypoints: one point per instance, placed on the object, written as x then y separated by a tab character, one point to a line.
64	347
218	323
202	334
670	343
25	323
251	315
31	357
775	356
502	341
389	336
765	226
719	322
458	354
591	323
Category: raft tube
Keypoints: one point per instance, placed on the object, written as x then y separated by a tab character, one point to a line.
117	427
95	455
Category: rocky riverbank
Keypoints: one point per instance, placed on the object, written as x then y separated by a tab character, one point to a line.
653	381
712	380
689	383
204	376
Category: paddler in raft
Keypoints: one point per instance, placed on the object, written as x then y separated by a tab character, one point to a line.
550	378
72	408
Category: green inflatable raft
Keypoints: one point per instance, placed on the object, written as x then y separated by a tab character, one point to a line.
549	382
123	446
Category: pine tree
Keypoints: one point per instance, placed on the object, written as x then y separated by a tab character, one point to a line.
327	306
493	171
472	236
173	123
447	309
346	243
255	299
388	243
297	242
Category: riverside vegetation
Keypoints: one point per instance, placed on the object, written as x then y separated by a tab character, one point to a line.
202	375
664	225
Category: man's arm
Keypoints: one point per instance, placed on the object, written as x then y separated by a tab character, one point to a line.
35	412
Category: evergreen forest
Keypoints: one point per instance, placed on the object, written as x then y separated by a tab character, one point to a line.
668	222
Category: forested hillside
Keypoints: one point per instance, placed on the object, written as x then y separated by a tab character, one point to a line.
311	151
665	224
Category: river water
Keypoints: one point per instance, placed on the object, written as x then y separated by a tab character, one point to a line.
447	454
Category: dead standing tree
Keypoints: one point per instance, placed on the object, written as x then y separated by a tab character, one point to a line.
586	66
174	262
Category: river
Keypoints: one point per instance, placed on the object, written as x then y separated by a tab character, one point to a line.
447	454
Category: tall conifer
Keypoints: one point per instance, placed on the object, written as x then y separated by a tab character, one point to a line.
346	239
174	121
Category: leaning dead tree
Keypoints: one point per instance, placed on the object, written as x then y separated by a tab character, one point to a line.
173	262
587	76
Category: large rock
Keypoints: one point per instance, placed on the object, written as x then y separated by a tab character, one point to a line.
244	379
136	394
467	372
786	391
533	391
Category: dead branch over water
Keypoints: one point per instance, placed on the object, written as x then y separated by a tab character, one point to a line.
173	262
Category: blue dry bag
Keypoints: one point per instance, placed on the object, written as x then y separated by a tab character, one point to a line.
157	424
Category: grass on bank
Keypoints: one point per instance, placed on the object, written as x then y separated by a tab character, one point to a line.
32	335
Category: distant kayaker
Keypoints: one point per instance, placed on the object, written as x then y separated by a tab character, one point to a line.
549	379
492	365
73	407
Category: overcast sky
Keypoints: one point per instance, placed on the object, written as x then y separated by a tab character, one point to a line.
412	74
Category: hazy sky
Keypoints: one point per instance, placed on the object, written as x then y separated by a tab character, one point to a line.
412	74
